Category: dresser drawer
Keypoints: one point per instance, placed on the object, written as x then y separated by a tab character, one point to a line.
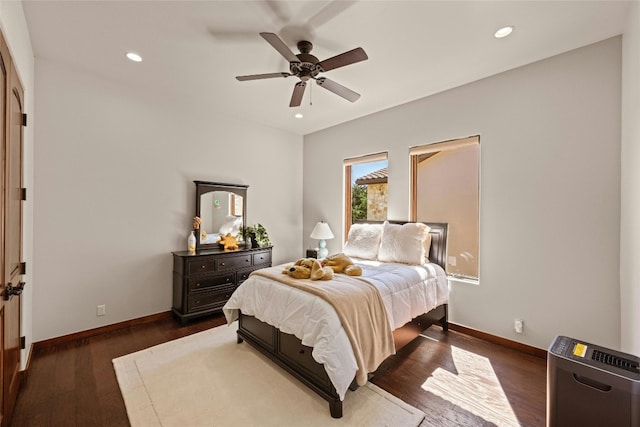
291	349
262	258
206	282
214	297
234	262
243	275
201	265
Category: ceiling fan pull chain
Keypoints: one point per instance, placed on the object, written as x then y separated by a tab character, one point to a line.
310	95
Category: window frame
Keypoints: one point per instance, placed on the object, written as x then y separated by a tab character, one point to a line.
347	163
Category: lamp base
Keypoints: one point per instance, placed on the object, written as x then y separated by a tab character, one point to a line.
322	249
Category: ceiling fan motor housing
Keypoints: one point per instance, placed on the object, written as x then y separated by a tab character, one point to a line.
306	68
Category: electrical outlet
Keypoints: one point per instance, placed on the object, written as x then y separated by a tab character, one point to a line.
101	310
518	325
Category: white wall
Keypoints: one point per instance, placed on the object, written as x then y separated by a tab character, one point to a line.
630	219
550	190
114	171
14	28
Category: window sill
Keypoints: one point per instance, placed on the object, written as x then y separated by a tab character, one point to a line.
462	280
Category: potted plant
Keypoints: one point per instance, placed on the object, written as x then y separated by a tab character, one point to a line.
258	235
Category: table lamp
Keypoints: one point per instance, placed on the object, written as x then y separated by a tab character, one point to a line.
322	232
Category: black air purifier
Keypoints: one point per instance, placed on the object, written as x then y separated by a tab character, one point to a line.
591	386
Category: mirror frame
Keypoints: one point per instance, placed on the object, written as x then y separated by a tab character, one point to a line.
203	187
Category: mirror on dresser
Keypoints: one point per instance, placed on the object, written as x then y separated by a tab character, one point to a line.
221	208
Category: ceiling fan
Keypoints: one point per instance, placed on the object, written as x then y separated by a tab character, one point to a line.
306	66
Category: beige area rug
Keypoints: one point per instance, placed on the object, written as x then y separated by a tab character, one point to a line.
207	379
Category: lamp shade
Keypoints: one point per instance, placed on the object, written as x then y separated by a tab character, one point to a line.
322	231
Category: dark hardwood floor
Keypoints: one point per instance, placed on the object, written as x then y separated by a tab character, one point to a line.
457	380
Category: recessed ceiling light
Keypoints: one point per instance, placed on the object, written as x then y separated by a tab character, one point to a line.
503	32
298	116
134	57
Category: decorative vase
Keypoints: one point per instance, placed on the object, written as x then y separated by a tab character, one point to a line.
191	243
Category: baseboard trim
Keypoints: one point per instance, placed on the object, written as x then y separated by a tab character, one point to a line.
523	348
65	339
24	373
41	345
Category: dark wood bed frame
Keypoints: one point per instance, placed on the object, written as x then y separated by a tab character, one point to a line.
288	352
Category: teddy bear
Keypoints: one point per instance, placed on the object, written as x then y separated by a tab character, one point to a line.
197	222
308	268
340	263
229	242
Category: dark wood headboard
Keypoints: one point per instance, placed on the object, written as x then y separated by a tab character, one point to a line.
438	250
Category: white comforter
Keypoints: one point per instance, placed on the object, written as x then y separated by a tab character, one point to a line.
407	291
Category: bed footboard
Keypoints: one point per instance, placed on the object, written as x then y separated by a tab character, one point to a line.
289	353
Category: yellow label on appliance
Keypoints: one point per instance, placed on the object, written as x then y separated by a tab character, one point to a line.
580	350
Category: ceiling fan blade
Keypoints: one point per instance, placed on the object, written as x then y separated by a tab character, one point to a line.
262	76
328	12
338	89
356	55
298	91
280	46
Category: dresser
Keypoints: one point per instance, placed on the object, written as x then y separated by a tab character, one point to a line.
204	281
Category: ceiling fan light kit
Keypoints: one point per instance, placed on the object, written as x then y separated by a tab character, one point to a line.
306	66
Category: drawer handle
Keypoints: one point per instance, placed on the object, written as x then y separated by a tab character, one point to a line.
197	301
197	285
301	351
246	260
228	279
227	296
222	264
203	267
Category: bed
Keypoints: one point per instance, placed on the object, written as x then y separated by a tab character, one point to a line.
305	335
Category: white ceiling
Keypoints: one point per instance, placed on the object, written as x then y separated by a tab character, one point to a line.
193	50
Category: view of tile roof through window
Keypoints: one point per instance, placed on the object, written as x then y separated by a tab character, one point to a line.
374	177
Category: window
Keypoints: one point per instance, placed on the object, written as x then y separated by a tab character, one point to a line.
235	204
445	188
365	188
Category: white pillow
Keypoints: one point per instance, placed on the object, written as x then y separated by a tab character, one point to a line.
427	246
403	243
363	241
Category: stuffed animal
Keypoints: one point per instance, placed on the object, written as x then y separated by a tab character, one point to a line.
197	222
340	263
229	242
309	268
